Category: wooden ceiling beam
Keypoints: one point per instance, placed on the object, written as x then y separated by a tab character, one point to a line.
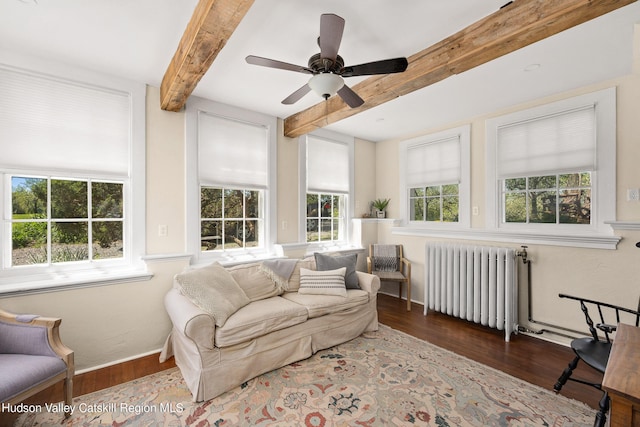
211	25
513	27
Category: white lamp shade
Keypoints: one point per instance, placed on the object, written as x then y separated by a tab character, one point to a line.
326	84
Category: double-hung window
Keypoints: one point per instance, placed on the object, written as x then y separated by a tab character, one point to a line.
553	167
435	179
232	162
72	171
326	163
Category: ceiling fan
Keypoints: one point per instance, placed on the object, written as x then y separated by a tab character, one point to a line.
327	67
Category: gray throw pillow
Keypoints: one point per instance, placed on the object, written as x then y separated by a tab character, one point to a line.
327	262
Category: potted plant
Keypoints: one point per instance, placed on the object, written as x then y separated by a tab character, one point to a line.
380	205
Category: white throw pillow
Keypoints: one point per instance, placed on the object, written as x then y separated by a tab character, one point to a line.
328	282
214	290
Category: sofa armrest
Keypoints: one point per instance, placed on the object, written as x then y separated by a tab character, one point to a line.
368	282
190	320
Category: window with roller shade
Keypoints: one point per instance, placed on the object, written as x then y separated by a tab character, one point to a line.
545	166
232	187
233	157
435	178
328	182
554	165
72	167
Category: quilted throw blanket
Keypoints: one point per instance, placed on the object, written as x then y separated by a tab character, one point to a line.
385	258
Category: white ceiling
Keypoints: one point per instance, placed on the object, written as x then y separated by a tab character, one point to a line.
137	39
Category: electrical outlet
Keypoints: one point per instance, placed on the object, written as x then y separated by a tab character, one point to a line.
163	230
633	194
475	211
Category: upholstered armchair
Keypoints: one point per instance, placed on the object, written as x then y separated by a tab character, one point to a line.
32	357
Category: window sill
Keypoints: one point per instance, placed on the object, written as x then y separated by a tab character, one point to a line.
593	241
344	250
231	258
393	221
44	283
624	225
304	250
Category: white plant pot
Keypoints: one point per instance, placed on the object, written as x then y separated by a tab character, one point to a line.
381	214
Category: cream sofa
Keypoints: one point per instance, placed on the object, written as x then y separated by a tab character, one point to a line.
279	325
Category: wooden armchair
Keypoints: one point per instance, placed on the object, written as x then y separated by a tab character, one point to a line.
388	263
594	350
32	357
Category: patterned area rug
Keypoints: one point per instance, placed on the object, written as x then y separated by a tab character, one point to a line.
385	378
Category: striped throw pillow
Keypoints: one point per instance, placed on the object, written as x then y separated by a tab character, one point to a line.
328	282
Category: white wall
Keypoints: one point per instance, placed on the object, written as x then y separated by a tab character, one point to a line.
613	275
288	206
165	177
107	324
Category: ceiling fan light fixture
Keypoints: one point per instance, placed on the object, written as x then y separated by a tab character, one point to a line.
327	67
326	84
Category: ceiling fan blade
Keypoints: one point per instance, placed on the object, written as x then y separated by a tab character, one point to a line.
331	29
297	95
350	97
386	66
272	63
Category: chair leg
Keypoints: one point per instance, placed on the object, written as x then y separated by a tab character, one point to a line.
68	394
601	416
408	296
566	374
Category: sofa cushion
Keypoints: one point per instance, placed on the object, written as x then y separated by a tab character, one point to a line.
214	290
294	280
254	281
328	262
320	305
260	318
330	282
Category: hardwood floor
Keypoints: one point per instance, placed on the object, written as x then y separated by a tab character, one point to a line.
531	359
528	358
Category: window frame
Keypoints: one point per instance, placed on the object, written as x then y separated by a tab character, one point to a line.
426	199
40	278
50	220
557	189
342	219
223	218
603	178
348	201
193	184
463	133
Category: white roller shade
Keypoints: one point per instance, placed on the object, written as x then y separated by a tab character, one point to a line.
560	142
53	124
327	166
433	163
231	152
